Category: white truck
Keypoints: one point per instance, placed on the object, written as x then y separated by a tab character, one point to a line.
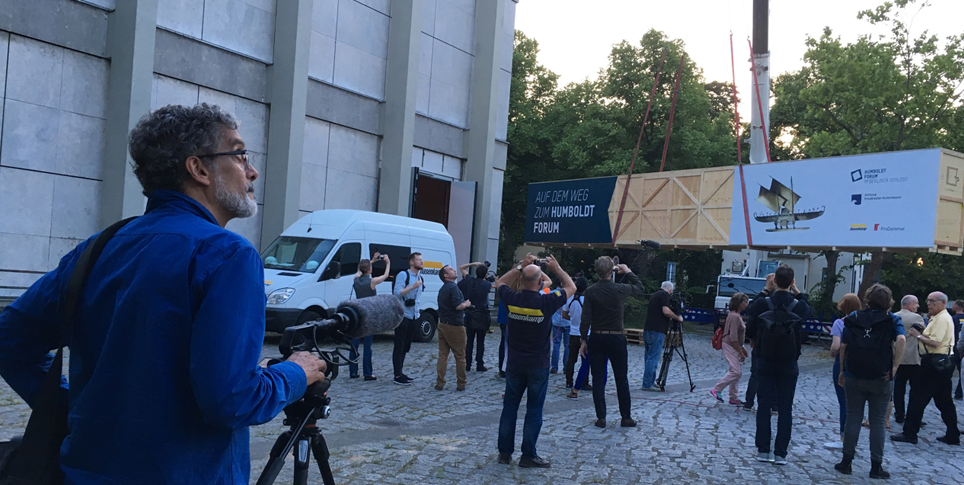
309	269
729	284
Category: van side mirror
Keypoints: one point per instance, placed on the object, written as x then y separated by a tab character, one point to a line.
331	272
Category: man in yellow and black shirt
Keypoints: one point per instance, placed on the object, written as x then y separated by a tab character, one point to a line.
528	345
933	381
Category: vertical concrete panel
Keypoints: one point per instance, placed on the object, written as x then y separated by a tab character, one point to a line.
321	60
455	26
168	90
382	6
316	142
35	71
75	208
423	95
26	198
508	36
498	177
84	89
451	66
417	155
324	17
314	179
80	146
29	136
465	5
4	44
23	252
363	28
432	162
239	26
346	190
427	17
452	167
182	16
353	151
502	114
448	103
253	120
359	71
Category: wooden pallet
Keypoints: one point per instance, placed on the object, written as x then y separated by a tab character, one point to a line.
634	336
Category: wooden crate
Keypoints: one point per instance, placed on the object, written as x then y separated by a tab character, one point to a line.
634	336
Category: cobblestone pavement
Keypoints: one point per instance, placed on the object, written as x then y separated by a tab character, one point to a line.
383	433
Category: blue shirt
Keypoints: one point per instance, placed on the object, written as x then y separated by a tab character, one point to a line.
411	312
164	376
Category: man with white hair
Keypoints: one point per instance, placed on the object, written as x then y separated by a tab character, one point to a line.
658	317
910	362
934	379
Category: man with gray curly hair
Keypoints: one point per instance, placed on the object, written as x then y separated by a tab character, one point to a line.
164	375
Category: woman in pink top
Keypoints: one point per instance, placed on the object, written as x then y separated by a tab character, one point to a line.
734	332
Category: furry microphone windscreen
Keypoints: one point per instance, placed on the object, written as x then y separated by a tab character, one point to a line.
376	314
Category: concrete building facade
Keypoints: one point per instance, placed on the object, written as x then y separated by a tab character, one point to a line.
362	104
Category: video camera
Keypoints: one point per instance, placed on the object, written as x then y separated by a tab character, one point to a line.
353	319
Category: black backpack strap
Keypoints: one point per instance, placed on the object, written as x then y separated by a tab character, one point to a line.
770	303
36	460
792	304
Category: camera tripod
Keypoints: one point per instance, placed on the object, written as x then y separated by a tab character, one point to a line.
303	435
673	342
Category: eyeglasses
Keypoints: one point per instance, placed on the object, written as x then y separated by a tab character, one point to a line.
242	154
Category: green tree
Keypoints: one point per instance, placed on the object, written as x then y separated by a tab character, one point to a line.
887	93
589	129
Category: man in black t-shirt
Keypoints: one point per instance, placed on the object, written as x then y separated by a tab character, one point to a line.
362	287
527	354
451	329
477	317
658	318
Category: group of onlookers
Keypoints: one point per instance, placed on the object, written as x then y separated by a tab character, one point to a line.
876	354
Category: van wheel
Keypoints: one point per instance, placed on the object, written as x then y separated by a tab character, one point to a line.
427	323
308	316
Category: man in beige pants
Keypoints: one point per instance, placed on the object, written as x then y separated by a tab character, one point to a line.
451	328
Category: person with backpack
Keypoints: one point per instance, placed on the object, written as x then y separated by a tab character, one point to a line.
734	332
871	348
408	288
776	330
477	319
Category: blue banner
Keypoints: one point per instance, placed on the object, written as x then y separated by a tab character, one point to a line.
570	211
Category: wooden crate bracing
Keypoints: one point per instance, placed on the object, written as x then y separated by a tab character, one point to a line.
680	208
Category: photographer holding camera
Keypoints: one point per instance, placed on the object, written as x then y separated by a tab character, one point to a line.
168	331
408	288
363	286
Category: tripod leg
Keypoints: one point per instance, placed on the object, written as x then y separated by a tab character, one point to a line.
682	352
664	368
319	448
276	461
301	460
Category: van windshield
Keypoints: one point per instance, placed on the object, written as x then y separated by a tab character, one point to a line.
729	285
300	254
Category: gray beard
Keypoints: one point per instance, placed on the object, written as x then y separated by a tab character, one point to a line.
237	205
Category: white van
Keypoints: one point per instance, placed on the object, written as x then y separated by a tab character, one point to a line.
303	283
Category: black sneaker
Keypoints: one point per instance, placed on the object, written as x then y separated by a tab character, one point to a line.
502	374
370	378
844	467
876	471
354	376
408	379
504	459
628	423
534	462
601	422
400	380
481	368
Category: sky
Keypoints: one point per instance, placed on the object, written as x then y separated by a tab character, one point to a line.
576	36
